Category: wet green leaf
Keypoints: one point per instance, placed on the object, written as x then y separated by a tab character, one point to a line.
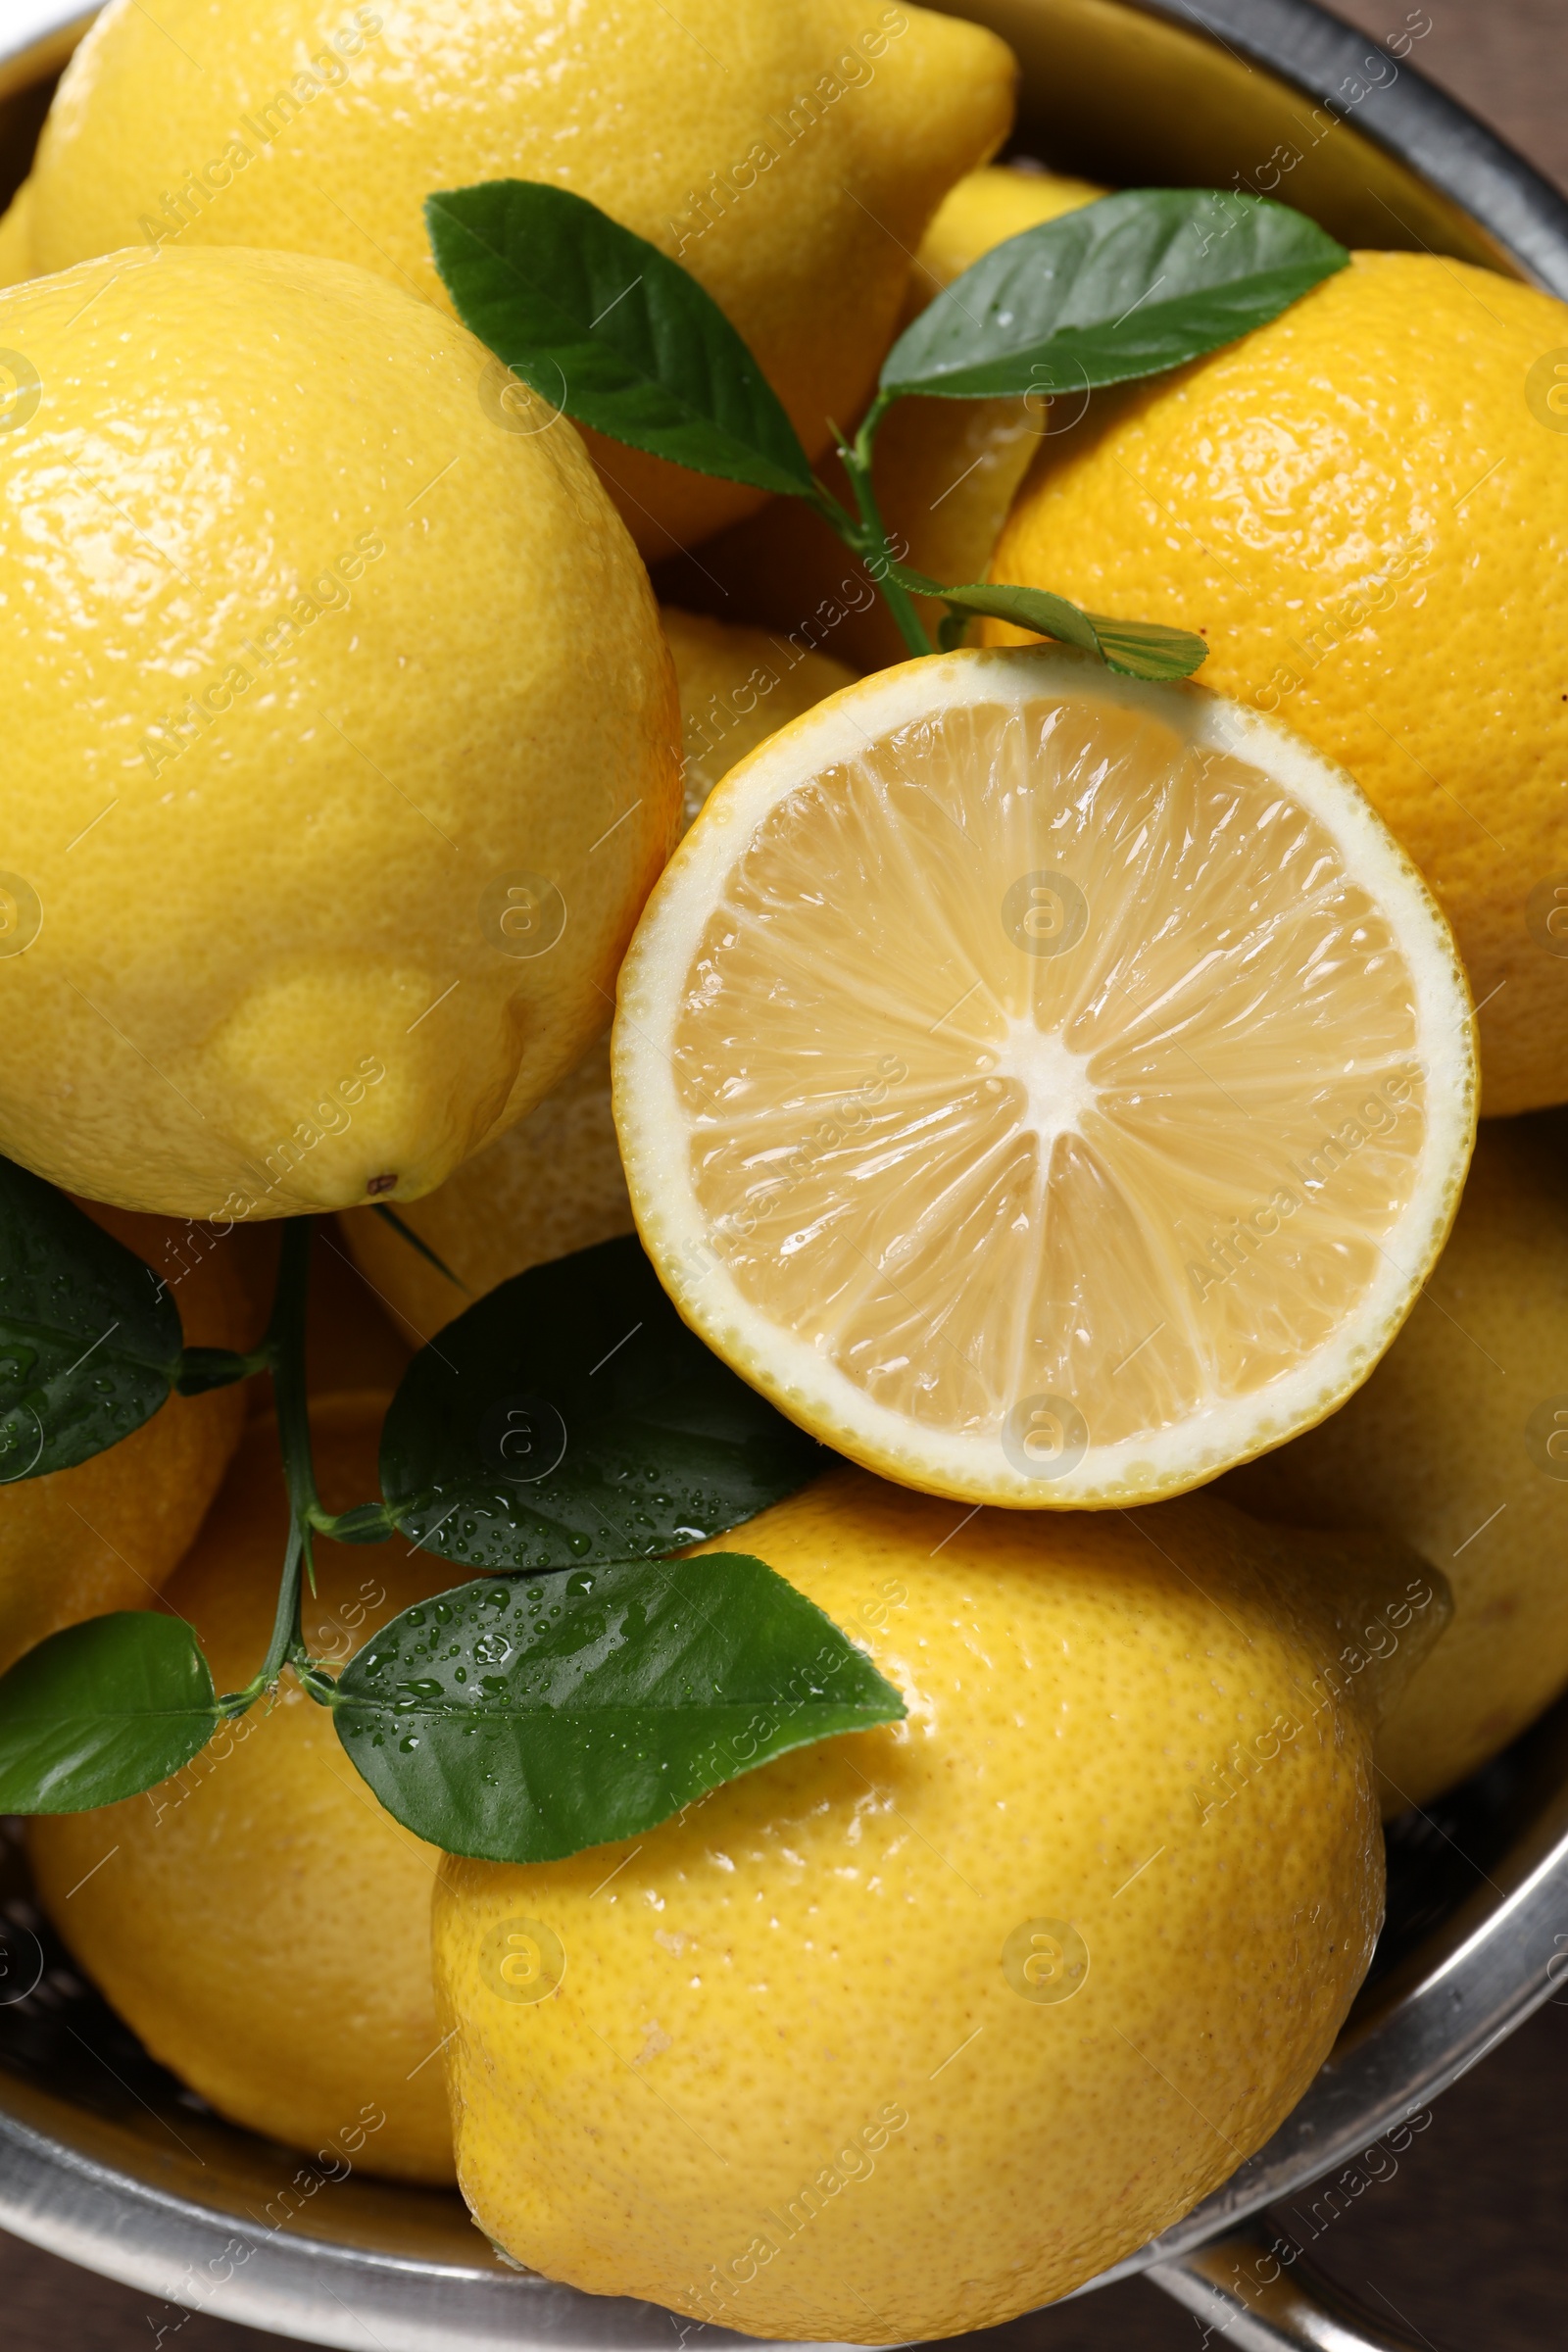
570	1416
603	326
102	1711
1125	287
89	1337
525	1719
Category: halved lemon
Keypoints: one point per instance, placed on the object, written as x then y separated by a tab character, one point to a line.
1048	1088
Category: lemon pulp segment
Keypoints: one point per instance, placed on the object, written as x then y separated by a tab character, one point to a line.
1060	1073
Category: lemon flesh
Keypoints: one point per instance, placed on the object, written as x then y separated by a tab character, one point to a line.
324	683
1049	1088
912	2030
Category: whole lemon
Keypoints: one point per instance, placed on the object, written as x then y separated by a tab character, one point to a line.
788	157
909	2032
109	1533
737	687
553	1182
258	1918
1364	507
946	470
1458	1443
342	744
984	209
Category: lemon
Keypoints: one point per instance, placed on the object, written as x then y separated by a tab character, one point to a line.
1364	506
1048	1088
910	2032
553	1182
323	831
16	246
737	687
1458	1443
788	157
946	470
258	1918
983	210
105	1535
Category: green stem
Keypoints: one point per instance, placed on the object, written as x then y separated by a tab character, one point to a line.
285	1348
868	537
871	424
283	1351
287	1623
874	549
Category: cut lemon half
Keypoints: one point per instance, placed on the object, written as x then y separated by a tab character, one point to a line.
1049	1088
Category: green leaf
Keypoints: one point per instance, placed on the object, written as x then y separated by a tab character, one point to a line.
600	323
89	1337
570	1416
1140	649
1146	649
521	1721
102	1711
1126	287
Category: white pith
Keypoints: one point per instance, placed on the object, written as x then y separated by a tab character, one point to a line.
1055	1081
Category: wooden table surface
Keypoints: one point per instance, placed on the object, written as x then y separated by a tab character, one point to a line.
1467	2242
